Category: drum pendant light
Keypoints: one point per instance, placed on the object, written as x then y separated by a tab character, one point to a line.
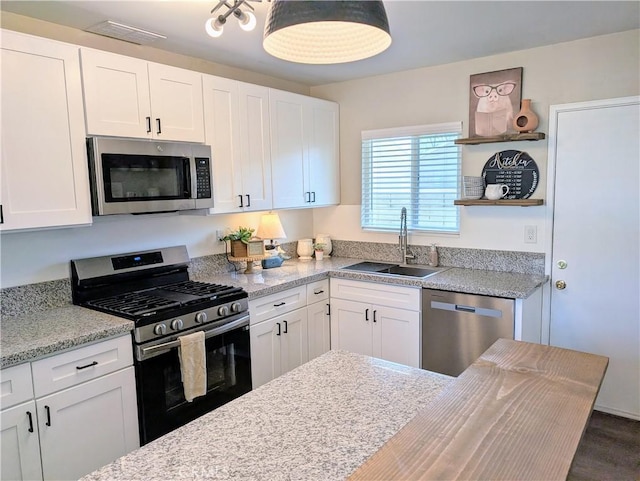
326	32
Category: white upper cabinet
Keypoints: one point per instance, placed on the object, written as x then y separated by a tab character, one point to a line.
44	177
129	97
237	128
304	150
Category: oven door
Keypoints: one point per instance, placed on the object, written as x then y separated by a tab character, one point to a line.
162	406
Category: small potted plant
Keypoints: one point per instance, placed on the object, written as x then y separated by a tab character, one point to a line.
239	241
318	247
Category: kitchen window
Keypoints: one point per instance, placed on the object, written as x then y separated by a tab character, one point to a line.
414	167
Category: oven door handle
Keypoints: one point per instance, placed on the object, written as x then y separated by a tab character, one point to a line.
167	346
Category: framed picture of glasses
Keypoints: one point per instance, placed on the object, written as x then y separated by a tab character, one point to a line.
494	100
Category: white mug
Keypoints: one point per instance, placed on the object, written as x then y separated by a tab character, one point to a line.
496	191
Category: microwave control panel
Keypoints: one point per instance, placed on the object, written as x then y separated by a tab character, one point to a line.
203	178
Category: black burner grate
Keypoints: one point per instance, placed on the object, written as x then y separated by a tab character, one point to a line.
200	289
134	303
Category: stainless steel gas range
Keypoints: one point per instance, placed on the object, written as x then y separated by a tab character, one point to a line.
152	288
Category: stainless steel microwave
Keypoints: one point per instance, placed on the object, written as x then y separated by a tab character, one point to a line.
142	176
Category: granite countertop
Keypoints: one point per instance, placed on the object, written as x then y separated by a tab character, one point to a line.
318	422
31	336
293	273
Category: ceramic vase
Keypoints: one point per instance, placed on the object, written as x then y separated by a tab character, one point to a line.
305	248
326	240
525	120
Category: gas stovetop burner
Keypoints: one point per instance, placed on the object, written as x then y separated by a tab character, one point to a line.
151	302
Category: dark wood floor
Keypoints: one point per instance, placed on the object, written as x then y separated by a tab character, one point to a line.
609	450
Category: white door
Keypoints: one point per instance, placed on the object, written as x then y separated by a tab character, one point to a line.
324	168
595	150
116	94
319	333
255	146
265	352
19	442
222	132
176	103
288	149
351	326
295	343
45	180
396	335
87	426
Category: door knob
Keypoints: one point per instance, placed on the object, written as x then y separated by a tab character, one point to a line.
561	285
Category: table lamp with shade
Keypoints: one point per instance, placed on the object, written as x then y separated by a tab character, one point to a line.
270	228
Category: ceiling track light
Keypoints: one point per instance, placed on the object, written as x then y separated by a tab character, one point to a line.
247	20
326	32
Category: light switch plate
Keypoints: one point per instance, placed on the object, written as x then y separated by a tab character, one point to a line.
530	234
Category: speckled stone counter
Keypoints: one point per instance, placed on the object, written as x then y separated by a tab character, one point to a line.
294	273
31	336
318	422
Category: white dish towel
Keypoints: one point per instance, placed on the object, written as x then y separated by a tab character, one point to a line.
193	365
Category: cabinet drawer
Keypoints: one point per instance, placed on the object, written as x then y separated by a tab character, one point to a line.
80	365
15	385
275	304
317	291
375	293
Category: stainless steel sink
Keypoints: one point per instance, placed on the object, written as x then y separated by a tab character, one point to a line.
394	269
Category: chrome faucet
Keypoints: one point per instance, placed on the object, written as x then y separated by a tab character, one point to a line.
403	239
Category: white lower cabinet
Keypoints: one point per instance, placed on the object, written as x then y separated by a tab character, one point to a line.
287	330
379	329
278	345
20	443
84	414
87	426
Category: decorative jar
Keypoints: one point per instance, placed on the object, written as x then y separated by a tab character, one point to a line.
305	248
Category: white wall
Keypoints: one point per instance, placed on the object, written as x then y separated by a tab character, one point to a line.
29	257
594	68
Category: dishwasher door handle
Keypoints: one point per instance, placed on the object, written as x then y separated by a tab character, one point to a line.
465	308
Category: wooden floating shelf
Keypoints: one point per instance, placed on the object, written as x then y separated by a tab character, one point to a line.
501	138
515	202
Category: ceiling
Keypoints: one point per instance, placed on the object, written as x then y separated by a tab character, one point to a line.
425	33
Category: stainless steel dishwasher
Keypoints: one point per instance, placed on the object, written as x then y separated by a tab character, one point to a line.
457	328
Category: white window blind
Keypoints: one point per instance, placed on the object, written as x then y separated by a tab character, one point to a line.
413	167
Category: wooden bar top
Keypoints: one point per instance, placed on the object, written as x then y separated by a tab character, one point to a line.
517	413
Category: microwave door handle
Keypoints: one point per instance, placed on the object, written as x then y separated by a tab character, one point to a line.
167	346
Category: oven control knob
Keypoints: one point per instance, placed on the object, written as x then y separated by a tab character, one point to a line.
160	330
236	307
201	317
177	324
223	311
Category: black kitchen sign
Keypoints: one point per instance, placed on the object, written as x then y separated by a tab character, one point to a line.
513	168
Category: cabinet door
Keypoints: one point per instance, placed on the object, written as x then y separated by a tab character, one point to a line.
265	352
176	103
319	329
116	95
222	132
255	146
351	326
87	426
288	149
295	339
44	174
396	335
19	442
323	177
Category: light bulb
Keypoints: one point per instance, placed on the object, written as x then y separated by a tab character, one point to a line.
214	27
247	20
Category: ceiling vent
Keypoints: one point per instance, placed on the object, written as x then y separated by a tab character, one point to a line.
125	32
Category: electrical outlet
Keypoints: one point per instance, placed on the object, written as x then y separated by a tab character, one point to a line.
219	235
530	234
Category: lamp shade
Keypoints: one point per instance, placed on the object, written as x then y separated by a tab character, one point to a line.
270	227
326	32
